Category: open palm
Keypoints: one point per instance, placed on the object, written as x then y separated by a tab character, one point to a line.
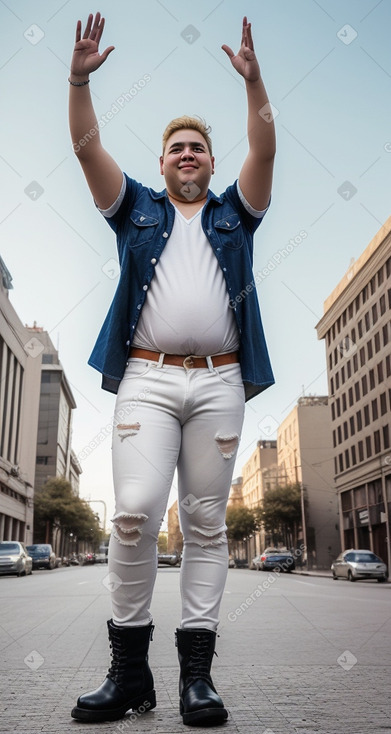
245	61
86	57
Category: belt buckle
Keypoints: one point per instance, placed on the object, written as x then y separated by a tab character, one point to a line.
188	362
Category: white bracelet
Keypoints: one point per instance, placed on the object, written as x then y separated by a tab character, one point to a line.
79	84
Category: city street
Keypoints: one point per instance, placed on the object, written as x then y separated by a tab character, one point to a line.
296	653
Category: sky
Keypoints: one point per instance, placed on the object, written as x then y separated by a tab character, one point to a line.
327	69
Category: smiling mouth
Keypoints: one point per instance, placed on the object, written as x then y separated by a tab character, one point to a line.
189	166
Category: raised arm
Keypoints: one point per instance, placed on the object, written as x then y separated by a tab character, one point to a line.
255	178
103	175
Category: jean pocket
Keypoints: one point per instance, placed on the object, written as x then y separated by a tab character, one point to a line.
230	374
137	368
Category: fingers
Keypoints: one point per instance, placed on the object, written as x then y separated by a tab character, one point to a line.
228	51
78	31
106	52
87	31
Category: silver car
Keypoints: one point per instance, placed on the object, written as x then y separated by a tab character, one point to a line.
14	558
359	564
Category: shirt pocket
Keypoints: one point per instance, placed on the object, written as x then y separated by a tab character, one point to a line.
230	231
141	229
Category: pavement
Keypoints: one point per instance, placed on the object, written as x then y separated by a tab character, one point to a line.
300	660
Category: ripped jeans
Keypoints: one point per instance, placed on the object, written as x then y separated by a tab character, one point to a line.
168	417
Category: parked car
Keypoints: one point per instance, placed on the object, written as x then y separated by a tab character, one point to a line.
274	558
359	564
43	555
14	558
169	559
240	563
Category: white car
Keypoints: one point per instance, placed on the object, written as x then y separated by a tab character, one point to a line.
14	558
359	564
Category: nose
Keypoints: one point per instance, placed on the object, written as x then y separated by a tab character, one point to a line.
187	153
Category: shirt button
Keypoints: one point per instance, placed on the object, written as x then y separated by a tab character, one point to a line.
145	287
154	261
127	343
139	306
165	235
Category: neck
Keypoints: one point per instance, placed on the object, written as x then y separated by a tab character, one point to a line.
183	200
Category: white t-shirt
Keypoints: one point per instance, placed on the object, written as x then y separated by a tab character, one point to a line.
186	310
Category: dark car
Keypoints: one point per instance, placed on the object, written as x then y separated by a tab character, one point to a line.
43	555
274	558
169	559
359	564
14	558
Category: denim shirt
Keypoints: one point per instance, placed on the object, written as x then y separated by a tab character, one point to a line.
143	224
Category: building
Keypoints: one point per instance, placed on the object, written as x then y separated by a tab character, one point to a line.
174	534
20	378
356	327
305	457
235	498
54	456
259	474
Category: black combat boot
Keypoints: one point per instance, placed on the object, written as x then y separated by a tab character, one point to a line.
129	682
199	702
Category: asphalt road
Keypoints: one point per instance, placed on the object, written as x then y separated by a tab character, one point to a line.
296	654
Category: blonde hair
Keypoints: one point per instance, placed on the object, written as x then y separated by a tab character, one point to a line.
188	123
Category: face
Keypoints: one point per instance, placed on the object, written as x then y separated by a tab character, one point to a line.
187	165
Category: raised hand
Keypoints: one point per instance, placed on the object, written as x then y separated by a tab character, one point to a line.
86	57
245	62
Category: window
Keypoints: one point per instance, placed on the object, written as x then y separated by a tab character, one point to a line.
355	363
382	304
380	276
334	439
366	415
389	297
386	336
371	379
388	365
353	453
372	285
352	428
368	447
376	441
345	430
344	318
340	461
369	349
349	368
383	403
375	413
342	375
386	437
388	267
364	293
347	459
364	384
380	376
339	432
333	411
350	311
343	402
338	406
360	447
337	380
357	390
362	357
357	303
359	328
359	420
374	313
377	342
367	322
351	399
332	385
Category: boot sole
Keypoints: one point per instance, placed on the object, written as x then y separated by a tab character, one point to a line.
114	714
205	717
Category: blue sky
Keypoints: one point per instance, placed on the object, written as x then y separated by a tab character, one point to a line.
327	68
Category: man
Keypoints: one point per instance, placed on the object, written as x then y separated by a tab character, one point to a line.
183	347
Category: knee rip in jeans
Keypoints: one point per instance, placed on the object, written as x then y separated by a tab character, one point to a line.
227	444
127	429
206	538
127	528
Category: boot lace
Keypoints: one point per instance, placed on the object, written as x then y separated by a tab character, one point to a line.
118	662
199	661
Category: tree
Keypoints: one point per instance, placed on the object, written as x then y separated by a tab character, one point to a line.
240	522
56	506
280	514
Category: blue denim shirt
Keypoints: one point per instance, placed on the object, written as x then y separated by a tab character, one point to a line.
143	224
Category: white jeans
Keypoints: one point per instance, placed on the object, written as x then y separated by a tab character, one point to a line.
168	417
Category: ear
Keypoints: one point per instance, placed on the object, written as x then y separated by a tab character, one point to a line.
161	165
213	163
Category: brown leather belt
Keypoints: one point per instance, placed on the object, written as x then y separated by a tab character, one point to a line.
181	360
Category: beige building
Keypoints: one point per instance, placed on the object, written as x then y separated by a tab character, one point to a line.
20	378
305	457
356	326
55	457
235	498
175	537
